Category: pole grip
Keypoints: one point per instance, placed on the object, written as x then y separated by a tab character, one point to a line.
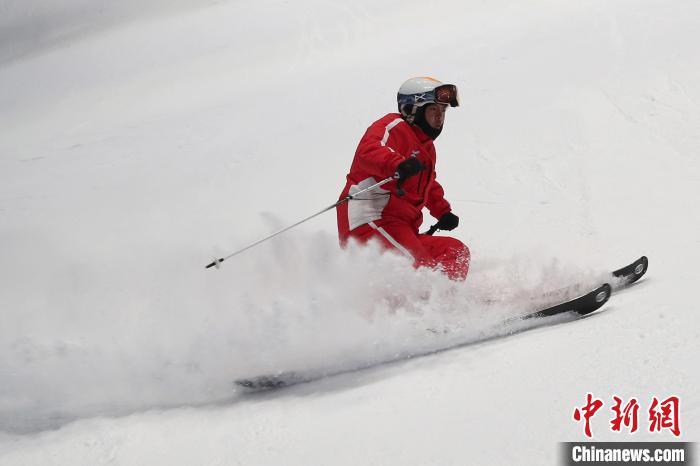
432	230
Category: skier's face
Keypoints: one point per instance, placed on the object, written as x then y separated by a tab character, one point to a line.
435	115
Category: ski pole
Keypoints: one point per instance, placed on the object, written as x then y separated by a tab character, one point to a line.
342	201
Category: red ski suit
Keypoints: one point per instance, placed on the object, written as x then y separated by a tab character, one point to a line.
392	219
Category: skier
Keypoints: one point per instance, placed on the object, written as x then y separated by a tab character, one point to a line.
401	144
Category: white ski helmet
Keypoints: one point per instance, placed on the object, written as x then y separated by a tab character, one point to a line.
417	92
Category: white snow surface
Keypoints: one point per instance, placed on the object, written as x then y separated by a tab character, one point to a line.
140	140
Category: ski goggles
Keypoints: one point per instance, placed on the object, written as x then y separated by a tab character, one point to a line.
445	94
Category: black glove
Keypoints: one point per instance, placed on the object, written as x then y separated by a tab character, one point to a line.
408	168
448	222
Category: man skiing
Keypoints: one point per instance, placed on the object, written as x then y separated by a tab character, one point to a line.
401	145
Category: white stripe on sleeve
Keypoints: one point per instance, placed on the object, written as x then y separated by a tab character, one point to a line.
388	128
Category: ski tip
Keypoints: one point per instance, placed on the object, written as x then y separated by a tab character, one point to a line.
632	272
595	300
603	294
641	267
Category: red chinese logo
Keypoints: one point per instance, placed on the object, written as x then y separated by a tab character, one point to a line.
589	410
665	415
662	414
627	415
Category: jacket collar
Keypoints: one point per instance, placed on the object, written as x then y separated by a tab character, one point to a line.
422	137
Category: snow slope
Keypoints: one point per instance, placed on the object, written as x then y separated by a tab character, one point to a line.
140	140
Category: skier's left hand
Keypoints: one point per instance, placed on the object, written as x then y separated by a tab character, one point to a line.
448	222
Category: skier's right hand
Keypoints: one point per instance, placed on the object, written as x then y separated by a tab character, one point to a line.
407	169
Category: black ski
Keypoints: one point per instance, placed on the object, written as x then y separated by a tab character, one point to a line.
582	305
595	299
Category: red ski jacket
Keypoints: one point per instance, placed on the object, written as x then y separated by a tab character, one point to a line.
388	142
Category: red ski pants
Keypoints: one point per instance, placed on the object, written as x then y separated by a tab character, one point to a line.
427	251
